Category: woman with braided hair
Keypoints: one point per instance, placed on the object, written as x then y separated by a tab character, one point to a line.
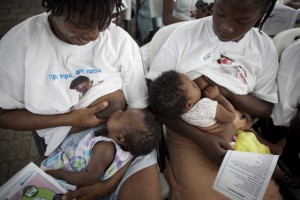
229	35
39	59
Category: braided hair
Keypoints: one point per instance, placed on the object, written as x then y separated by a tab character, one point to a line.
101	9
267	8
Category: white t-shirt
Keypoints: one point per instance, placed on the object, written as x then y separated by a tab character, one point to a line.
37	68
183	8
186	50
288	79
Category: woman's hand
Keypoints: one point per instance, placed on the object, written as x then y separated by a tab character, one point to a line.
86	117
90	192
215	148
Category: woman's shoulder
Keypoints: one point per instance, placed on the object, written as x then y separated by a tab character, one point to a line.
261	38
118	37
21	36
117	32
27	28
188	30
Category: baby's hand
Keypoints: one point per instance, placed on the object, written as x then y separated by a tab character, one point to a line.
211	91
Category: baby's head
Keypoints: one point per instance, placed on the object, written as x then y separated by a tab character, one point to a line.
135	130
172	94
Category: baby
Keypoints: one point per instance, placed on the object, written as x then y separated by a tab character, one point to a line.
130	133
173	94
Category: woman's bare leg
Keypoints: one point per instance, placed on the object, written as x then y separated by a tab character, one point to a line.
143	184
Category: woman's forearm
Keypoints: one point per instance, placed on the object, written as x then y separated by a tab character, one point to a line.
251	105
24	120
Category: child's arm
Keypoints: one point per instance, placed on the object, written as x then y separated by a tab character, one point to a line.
102	156
225	111
201	82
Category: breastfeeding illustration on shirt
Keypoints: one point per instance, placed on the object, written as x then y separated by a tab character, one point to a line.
223	71
81	84
90	86
228	66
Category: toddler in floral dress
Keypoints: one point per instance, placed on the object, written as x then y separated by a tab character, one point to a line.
130	133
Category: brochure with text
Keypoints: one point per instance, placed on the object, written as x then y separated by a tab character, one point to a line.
31	183
245	175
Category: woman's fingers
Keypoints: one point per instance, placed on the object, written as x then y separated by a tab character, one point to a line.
99	107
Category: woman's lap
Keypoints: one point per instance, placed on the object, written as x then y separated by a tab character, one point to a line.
139	164
191	174
144	184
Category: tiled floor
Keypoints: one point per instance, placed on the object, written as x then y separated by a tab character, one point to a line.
17	149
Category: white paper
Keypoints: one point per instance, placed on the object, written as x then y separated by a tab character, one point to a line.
30	182
245	175
282	18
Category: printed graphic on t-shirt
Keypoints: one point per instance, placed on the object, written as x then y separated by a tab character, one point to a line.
228	66
82	84
68	76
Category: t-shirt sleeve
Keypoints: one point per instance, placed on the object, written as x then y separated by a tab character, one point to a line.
266	86
289	82
13	48
166	58
132	72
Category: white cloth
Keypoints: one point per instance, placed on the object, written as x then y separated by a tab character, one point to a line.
186	49
37	68
105	83
183	8
288	79
223	70
202	114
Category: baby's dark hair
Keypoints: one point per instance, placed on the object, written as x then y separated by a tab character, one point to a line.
166	96
101	9
145	138
267	8
78	80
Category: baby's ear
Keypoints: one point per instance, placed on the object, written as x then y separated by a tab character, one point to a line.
120	139
188	106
